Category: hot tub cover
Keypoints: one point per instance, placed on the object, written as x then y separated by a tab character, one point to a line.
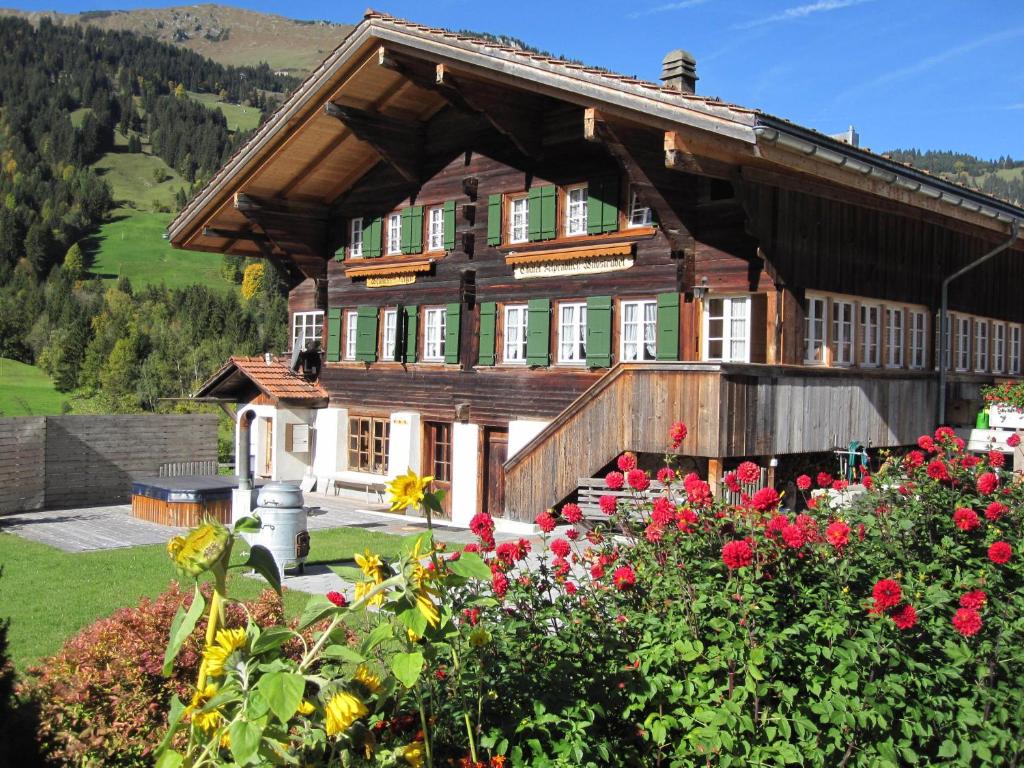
188	489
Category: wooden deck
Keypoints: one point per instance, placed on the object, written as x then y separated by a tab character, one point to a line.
731	410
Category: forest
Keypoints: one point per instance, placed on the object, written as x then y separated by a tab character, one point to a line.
969	170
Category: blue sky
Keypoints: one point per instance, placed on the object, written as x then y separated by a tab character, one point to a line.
945	74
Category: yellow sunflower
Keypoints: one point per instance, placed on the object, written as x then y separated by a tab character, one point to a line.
306	709
200	549
407	490
371	565
412	754
225	643
341	711
363	588
206	721
369	680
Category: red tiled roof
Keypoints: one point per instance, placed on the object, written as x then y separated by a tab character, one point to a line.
273	378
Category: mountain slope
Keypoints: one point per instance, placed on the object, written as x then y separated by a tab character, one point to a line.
230	36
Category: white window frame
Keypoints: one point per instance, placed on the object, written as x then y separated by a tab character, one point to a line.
870	335
435	229
1014	351
918	335
434	319
390	336
513	342
351	334
950	340
894	337
394	234
640	215
998	347
307	326
518	220
815	325
963	343
735	329
981	342
576	210
355	238
572	333
842	320
644	345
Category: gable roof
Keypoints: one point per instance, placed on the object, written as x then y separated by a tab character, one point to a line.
304	158
274	379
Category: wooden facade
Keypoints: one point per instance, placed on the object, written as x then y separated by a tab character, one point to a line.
456	140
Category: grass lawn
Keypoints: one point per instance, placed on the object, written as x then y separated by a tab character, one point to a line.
27	391
239	118
132	179
49	595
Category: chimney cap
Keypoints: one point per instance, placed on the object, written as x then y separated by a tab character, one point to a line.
679	55
679	71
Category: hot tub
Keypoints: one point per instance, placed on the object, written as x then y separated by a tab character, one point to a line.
185	501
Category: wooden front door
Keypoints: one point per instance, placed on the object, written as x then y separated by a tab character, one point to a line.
495	454
438	459
268	446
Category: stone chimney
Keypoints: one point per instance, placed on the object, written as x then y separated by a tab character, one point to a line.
679	71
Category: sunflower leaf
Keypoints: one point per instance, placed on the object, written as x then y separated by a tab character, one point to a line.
181	627
261	561
407	667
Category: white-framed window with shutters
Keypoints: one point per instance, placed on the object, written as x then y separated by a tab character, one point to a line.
842	332
394	234
306	327
638	333
950	341
640	215
518	220
998	347
576	210
918	334
435	229
963	343
980	345
870	331
727	329
390	334
355	238
513	348
1014	352
814	331
894	333
351	320
433	334
572	332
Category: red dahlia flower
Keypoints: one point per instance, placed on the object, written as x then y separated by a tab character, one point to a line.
966	519
638	480
570	588
996	459
545	522
737	554
560	547
471	615
776	524
765	500
338	599
624	578
887	594
1013	440
995	510
653	533
572	534
925	443
974	599
944	433
677	433
627	461
803	483
482	524
561	567
937	470
597	571
987	483
685	519
967	622
905	617
824	479
793	536
699	494
731	482
1000	552
666	475
662	512
608	504
572	513
615	480
913	460
499	583
748	472
838	534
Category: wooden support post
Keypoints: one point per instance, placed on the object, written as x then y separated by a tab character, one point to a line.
715	475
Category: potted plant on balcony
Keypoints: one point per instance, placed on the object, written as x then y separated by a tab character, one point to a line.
1005	405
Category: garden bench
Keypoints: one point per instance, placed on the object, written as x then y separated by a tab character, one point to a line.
356	481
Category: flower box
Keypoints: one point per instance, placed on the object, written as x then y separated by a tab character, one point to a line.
1005	417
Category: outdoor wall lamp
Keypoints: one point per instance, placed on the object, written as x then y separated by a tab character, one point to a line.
700	291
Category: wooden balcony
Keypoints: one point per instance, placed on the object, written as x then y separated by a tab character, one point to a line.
731	410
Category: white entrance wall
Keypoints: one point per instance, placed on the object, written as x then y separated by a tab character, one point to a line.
522	431
257	436
330	435
465	472
404	443
290	465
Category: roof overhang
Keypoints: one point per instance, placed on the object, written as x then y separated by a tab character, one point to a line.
239	381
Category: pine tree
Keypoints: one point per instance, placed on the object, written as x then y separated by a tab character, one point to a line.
74	262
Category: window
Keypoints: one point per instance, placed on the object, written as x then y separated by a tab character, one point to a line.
639	214
435	229
963	343
368	442
433	335
572	333
726	334
814	331
998	347
390	334
519	221
514	348
351	318
949	342
869	334
355	238
893	337
1014	350
981	345
639	320
394	234
307	327
576	210
842	332
917	337
439	436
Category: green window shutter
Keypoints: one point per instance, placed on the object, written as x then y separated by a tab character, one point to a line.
602	206
538	332
667	340
366	334
494	220
599	331
453	313
448	217
412	315
548	224
412	229
339	255
533	214
488	324
333	334
371	239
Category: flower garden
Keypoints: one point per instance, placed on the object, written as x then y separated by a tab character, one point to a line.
679	631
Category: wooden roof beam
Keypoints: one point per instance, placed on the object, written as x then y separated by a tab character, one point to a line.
691	155
247	204
234	235
397	141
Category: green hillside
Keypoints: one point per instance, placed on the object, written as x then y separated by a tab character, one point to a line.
27	391
239	117
133	179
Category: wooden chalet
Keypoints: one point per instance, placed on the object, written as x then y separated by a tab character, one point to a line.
519	267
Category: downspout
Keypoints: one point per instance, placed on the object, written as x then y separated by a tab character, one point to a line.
944	313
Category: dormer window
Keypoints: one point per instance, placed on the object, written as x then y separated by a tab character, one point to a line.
355	240
576	210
